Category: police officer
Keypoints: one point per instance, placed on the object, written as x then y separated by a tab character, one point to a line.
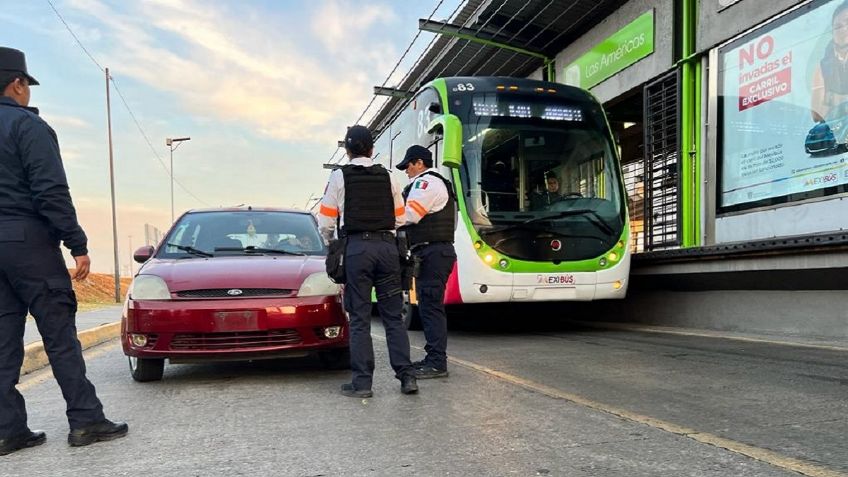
431	219
368	206
36	213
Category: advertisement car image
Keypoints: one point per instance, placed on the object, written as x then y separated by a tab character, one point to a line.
233	284
829	137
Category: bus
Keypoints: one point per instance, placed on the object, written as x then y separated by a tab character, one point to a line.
541	201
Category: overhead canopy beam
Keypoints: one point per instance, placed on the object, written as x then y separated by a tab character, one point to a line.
481	37
393	92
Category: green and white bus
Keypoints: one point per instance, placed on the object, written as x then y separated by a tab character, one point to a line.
542	207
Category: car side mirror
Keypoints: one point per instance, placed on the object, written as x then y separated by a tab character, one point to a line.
143	254
451	129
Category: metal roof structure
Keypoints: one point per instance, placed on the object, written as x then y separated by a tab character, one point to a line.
468	45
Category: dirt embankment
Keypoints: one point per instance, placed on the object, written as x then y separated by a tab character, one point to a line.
98	288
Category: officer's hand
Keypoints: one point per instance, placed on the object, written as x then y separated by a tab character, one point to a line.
83	266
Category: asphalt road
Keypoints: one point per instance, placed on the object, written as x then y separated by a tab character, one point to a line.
523	399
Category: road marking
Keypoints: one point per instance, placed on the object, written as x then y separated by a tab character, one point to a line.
44	374
704	334
759	454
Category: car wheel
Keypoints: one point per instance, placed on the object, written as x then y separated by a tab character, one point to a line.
144	370
335	359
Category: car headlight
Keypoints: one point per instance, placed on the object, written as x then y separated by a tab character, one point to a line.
318	284
149	287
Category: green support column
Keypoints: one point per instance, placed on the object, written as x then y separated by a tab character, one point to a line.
690	131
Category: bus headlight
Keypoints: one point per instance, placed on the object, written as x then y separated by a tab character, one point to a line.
613	257
149	287
503	263
489	258
318	284
478	245
602	262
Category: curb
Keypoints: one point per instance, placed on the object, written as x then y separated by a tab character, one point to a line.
36	358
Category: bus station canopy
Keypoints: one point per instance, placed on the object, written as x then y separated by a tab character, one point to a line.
495	38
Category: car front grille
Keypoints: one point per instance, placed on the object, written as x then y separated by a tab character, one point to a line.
232	293
230	341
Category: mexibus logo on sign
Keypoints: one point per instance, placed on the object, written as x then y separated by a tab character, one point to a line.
555	279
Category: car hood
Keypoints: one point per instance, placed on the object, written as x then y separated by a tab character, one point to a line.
234	272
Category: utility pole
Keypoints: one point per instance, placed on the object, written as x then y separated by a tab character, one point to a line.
112	185
131	257
170	143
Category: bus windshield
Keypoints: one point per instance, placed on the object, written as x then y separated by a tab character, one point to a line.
534	170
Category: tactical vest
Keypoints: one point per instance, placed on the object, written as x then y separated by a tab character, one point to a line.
437	227
834	72
369	205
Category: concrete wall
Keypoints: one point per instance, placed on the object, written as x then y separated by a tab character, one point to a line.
716	26
811	314
640	72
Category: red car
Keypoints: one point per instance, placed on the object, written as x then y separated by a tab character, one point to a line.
233	284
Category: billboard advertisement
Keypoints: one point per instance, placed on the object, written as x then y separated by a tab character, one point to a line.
783	110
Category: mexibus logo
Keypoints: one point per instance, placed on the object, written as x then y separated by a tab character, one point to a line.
555	279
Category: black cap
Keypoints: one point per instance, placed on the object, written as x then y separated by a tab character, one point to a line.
416	152
14	61
358	140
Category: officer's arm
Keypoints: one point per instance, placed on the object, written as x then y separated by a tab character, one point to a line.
397	195
49	185
423	197
328	212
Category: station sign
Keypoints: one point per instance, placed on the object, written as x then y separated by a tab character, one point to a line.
620	50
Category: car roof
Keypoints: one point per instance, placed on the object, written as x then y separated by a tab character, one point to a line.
248	209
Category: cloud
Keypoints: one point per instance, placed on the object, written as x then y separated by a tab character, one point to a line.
245	70
336	24
66	122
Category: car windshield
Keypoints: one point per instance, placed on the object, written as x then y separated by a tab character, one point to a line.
225	233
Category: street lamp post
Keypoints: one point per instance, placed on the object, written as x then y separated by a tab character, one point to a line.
170	143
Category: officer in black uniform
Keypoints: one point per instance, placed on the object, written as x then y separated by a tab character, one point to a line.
36	213
431	219
367	204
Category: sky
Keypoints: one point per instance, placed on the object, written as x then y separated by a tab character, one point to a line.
264	88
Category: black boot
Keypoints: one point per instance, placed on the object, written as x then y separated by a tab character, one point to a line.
408	384
21	441
104	430
350	391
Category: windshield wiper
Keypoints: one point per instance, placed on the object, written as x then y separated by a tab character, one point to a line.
190	249
254	249
593	217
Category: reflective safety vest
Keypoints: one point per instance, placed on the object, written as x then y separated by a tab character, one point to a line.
368	203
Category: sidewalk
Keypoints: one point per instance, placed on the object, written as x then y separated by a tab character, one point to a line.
85	321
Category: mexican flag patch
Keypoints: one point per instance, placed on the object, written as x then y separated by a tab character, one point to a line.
422	184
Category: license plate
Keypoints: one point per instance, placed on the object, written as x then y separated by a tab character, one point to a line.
556	280
236	320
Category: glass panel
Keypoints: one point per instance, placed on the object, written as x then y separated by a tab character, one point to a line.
547	169
207	231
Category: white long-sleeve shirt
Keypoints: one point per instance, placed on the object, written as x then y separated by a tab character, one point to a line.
427	195
332	204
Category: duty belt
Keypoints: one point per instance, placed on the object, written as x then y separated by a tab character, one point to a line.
384	235
424	244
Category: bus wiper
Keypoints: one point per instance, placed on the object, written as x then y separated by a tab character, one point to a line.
593	217
254	249
190	249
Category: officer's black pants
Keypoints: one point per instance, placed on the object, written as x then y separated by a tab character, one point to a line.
437	260
374	263
33	278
